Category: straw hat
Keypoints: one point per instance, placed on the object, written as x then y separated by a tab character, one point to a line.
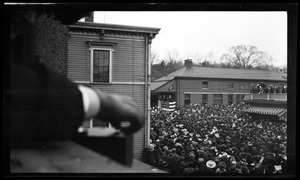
250	143
151	147
211	164
200	160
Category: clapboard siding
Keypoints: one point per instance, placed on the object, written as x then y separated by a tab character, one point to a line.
129	65
136	92
129	58
78	59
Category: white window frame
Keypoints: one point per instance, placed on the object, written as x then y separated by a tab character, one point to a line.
189	98
206	99
202	84
92	64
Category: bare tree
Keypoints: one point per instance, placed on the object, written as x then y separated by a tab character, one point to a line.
246	57
153	56
210	56
197	57
173	55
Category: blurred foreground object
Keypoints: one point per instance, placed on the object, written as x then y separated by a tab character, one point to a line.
68	157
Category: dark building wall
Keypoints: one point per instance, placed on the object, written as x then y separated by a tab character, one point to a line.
194	87
52	40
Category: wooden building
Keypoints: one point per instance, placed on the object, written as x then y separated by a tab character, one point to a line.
115	59
192	84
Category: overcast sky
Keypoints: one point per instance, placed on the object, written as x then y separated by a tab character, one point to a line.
203	32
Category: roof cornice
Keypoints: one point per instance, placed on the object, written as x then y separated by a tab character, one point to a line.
238	79
115	27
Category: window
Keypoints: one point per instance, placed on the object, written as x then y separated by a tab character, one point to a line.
230	85
204	84
187	99
101	60
230	98
204	98
218	99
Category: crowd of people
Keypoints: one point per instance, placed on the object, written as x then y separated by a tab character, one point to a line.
203	139
261	88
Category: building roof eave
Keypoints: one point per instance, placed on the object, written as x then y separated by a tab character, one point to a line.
225	78
116	27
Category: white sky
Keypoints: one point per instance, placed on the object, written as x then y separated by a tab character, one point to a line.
203	32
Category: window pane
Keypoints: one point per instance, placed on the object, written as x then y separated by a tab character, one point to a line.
106	73
96	77
204	84
96	56
106	54
101	65
204	98
101	58
106	62
187	99
96	70
96	62
100	70
230	98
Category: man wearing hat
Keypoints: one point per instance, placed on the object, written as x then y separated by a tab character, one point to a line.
150	155
250	144
200	160
188	169
211	164
221	167
245	169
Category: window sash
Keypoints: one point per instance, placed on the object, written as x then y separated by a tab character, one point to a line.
204	84
187	99
230	98
204	98
101	65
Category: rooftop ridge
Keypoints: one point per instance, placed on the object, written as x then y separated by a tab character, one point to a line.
225	73
236	69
